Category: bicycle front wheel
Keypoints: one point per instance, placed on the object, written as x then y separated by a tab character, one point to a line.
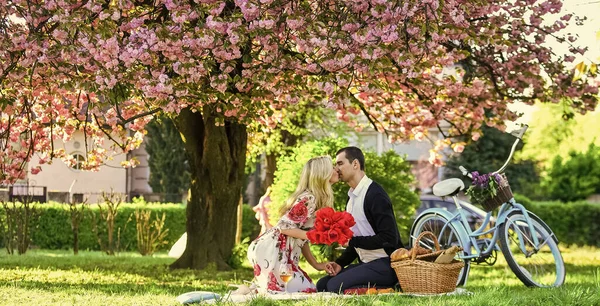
446	234
535	267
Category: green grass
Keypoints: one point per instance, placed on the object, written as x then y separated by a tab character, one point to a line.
58	278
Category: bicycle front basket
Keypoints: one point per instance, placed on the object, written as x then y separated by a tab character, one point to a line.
503	195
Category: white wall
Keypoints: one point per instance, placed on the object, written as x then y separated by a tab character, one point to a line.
59	177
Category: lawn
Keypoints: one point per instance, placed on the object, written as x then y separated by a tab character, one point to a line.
58	278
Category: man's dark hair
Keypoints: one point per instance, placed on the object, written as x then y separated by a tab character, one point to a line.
353	153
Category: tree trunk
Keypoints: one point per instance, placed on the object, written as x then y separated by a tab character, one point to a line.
217	156
239	222
289	140
76	241
270	168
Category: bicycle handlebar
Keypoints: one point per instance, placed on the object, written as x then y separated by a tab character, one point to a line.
464	171
520	132
519	135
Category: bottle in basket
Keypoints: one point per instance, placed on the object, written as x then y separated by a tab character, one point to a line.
448	255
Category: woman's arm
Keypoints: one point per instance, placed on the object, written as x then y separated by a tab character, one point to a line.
310	258
295	232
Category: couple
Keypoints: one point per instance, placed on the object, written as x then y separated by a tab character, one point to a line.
276	254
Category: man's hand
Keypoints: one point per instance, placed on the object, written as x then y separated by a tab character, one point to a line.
332	268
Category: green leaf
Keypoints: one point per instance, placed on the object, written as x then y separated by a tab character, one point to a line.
246	58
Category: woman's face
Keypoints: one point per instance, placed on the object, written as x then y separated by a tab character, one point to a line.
335	176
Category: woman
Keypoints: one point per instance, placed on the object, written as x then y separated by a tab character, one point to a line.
276	253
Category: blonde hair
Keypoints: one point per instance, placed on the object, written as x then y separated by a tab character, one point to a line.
314	179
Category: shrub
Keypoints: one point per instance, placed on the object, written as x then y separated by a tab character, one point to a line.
575	178
150	233
519	198
250	226
54	225
572	223
19	222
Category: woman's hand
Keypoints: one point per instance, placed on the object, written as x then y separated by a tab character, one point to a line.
332	268
320	266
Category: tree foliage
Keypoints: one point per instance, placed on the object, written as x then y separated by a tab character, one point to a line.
551	134
96	64
576	177
169	168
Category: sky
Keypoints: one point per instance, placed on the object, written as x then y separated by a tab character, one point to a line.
588	33
588	36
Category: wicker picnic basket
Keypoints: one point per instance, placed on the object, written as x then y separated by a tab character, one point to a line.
504	194
426	277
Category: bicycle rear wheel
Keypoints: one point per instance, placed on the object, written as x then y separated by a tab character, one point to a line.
447	236
535	268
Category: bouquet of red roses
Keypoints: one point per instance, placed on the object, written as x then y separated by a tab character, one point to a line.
331	226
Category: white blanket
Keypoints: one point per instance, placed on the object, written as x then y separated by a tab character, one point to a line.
234	297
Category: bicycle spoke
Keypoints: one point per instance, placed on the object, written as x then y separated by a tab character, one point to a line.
540	266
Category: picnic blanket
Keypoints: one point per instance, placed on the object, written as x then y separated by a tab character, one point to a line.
241	296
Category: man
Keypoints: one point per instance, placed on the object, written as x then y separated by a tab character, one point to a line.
375	237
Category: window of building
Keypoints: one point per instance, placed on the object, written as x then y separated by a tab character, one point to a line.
79	161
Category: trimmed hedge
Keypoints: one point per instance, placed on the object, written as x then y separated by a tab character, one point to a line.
573	223
53	229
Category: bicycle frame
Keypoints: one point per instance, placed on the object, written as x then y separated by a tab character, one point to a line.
471	247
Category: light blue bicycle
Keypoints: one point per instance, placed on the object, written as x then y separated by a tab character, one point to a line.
528	244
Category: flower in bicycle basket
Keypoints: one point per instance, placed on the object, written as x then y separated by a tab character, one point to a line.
483	186
331	227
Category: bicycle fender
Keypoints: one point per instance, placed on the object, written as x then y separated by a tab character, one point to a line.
502	219
448	215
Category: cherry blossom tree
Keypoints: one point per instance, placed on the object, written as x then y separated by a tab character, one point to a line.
105	67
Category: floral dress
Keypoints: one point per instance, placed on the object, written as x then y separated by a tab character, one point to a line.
273	250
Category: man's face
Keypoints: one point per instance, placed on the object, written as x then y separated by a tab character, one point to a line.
344	167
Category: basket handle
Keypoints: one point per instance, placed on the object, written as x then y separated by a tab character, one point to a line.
423	234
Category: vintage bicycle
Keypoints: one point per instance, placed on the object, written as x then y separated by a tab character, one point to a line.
527	243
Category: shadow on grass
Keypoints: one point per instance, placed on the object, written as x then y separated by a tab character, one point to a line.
156	268
125	289
124	275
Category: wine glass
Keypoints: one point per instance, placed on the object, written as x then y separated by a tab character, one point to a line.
285	273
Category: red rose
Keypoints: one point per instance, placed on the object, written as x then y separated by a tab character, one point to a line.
320	226
325	215
314	236
347	232
346	220
256	270
333	235
343	239
298	213
319	237
331	226
311	236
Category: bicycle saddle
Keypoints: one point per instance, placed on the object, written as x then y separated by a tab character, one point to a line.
449	187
